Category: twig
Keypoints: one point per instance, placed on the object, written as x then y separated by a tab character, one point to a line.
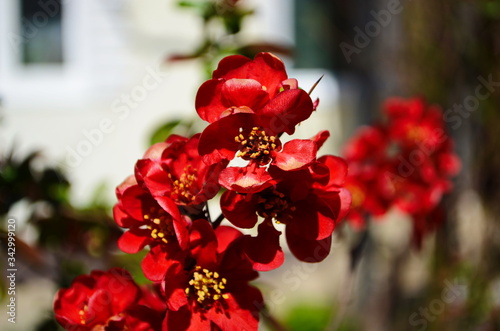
217	221
207	212
315	84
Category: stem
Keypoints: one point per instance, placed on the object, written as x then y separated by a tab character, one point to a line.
217	221
207	212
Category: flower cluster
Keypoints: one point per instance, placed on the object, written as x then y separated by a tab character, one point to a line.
406	162
202	269
110	300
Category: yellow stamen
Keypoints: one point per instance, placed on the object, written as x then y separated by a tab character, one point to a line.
206	286
256	145
275	206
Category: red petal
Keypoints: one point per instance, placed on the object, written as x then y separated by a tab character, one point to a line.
208	100
124	291
128	182
321	137
99	307
449	163
290	84
151	175
217	140
264	250
169	206
296	154
203	243
123	219
156	263
313	219
225	236
338	169
242	312
239	209
244	92
174	286
175	139
230	64
295	184
185	320
132	242
320	174
245	179
211	184
132	200
154	152
308	250
266	68
181	228
236	265
345	203
285	111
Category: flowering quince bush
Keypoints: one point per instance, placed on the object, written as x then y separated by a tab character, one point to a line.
405	162
201	270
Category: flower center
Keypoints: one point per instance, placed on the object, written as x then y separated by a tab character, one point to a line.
160	224
357	195
82	315
275	206
257	145
184	188
207	286
416	134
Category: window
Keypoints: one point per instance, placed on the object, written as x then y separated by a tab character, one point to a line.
43	54
314	34
41	31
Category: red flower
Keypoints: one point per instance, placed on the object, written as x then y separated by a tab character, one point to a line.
150	221
367	156
209	289
412	123
105	300
260	86
425	160
174	169
407	162
249	104
308	202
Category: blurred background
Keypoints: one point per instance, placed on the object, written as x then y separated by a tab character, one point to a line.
87	86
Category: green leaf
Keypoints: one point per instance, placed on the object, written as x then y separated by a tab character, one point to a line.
162	132
306	317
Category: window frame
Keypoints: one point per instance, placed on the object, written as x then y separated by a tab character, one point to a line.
22	83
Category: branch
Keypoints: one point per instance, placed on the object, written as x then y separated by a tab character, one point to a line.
216	223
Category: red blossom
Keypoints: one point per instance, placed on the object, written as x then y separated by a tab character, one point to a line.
210	289
249	104
174	169
407	163
308	205
201	271
150	221
259	86
106	301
